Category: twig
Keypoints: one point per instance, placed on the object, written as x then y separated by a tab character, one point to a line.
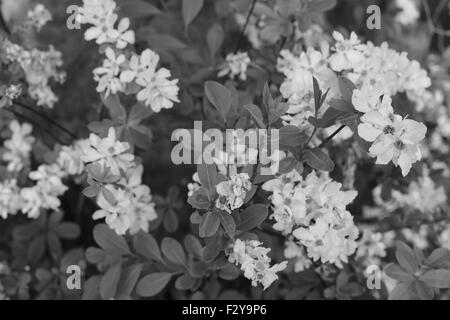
20	115
48	119
430	21
325	142
241	36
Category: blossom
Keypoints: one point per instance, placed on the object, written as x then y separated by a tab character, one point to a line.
10	201
18	146
393	138
409	12
8	94
371	246
102	29
236	64
107	76
108	152
232	192
255	263
193	186
122	36
148	60
348	53
69	157
158	91
38	17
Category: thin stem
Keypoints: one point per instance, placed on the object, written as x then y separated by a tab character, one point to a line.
325	142
241	36
48	119
17	114
430	21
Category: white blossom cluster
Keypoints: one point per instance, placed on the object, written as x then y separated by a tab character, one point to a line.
122	71
254	262
40	67
125	203
232	192
378	73
235	65
8	94
38	17
47	185
372	245
314	211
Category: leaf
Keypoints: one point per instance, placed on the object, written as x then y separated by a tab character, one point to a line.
146	245
190	9
318	159
346	88
229	272
438	258
153	284
164	41
317	95
228	224
252	217
219	96
403	291
185	282
424	291
108	284
116	109
291	136
207	173
173	251
342	105
405	257
109	241
214	38
193	246
138	9
209	225
90	288
128	281
200	199
68	230
396	272
54	245
439	278
280	110
138	113
36	249
256	114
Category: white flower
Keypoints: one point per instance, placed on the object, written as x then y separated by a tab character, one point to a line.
38	17
69	158
108	152
18	147
158	91
122	36
232	192
409	12
148	60
349	53
107	76
10	201
193	186
371	247
254	262
102	30
236	65
394	139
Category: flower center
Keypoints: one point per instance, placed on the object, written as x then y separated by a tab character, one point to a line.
388	130
399	145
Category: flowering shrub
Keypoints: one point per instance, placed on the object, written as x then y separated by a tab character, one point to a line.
343	196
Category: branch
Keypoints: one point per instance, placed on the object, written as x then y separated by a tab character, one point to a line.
241	36
325	142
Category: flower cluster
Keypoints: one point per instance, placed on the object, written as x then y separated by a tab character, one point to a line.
232	192
235	65
123	71
40	67
8	94
372	68
17	149
38	17
255	263
47	178
408	12
125	203
313	211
